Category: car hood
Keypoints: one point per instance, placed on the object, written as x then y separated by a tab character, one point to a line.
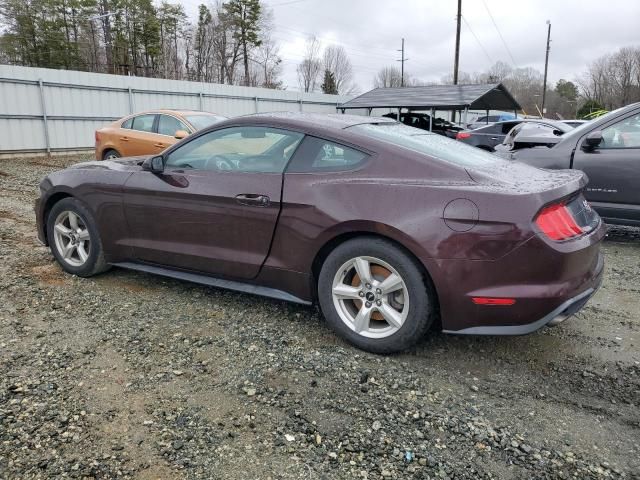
119	164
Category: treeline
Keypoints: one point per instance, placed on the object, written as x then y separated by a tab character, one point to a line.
230	42
610	82
613	80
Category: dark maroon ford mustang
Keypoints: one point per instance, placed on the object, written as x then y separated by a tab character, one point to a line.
388	227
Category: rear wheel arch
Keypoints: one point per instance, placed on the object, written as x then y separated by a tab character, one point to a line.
339	239
107	150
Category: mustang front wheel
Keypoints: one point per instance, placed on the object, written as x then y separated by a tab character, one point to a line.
374	295
73	238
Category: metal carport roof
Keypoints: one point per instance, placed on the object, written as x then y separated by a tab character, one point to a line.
442	97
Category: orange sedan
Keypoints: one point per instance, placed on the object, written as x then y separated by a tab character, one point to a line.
148	133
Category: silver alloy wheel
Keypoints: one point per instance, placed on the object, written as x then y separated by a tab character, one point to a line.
358	304
72	238
111	155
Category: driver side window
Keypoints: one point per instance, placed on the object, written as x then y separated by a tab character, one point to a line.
238	149
623	134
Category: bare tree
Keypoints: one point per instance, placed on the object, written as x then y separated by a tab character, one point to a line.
310	67
390	77
269	64
613	80
336	61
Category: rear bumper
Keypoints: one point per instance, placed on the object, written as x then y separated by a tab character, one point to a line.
548	281
561	313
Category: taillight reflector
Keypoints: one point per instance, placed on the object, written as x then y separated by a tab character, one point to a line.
97	136
462	135
493	301
557	223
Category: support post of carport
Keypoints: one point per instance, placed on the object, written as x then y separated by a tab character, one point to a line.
431	119
487	117
466	112
398	115
369	110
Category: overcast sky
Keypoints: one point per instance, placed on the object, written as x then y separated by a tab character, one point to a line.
371	32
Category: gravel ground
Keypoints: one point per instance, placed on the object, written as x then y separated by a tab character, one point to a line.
127	375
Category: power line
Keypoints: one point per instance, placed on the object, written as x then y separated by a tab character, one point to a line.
477	40
499	33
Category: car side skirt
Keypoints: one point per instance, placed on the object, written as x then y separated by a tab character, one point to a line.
213	282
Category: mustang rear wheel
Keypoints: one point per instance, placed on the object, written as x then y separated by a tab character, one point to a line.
74	239
374	295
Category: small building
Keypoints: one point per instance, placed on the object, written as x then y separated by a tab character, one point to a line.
453	98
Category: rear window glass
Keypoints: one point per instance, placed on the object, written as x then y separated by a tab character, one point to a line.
431	144
143	123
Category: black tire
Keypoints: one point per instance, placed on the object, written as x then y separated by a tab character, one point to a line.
422	304
111	153
95	262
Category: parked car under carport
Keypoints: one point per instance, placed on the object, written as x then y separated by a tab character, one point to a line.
487	138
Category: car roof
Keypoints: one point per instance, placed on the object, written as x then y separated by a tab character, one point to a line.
178	112
332	121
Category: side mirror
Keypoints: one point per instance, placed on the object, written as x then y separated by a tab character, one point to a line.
153	164
180	134
592	141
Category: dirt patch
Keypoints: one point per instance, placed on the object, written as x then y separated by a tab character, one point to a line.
50	275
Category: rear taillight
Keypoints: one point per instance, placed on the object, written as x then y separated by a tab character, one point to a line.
97	137
557	223
462	135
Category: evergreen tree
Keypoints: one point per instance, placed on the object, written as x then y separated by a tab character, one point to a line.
245	16
329	84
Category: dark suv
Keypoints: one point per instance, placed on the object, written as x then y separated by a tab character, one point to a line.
607	149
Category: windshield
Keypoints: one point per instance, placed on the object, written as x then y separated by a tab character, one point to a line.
204	120
431	144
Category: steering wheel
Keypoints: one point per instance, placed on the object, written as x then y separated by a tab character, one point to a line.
220	162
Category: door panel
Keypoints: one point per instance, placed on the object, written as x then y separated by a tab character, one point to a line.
614	175
141	139
215	207
193	220
614	167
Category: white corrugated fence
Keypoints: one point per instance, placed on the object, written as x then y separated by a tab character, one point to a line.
44	110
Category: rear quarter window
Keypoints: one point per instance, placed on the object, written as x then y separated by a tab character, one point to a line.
127	123
319	155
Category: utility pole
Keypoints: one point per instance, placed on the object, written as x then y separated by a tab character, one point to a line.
546	66
457	58
402	60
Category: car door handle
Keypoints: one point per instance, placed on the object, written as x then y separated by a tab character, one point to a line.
159	145
494	138
124	139
253	200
